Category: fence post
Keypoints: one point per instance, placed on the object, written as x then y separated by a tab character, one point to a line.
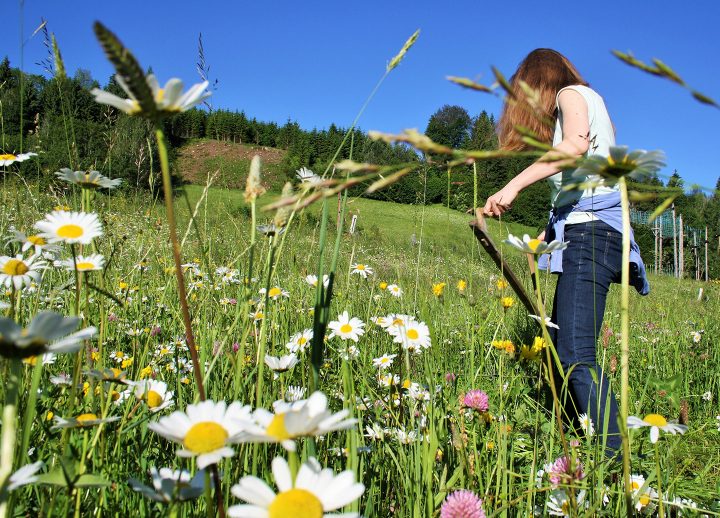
675	250
660	246
681	247
707	274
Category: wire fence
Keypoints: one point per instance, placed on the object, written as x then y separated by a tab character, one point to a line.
680	250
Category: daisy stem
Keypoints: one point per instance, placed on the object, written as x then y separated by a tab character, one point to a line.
170	213
208	495
293	463
182	294
30	408
7	441
661	508
549	354
625	343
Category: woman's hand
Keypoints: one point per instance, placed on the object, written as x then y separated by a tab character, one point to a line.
500	202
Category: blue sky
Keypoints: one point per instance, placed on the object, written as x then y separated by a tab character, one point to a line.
315	62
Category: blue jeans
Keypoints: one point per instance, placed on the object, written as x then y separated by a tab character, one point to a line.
591	262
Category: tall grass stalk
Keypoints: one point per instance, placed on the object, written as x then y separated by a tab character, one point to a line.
625	344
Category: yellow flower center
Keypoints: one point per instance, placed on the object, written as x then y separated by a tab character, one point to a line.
274	292
159	95
644	500
533	244
302	340
36	240
397	322
85	266
114	395
345	328
70	231
277	428
154	399
360	267
15	267
8	157
82	419
204	437
634	485
412	334
30	360
298	503
655	420
383	285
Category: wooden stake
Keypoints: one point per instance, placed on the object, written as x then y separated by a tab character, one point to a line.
706	255
681	248
675	250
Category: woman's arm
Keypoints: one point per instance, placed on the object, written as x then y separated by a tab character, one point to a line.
576	130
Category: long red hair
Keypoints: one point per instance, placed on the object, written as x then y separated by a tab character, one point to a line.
546	71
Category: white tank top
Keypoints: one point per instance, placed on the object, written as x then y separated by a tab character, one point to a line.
602	136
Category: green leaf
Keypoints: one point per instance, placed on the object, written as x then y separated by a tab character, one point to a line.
90	480
661	208
127	68
55	477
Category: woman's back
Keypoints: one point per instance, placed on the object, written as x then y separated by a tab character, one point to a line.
601	137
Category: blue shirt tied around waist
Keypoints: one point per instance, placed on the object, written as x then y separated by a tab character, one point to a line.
607	209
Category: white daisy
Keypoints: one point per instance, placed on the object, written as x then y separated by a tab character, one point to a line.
305	175
83	263
346	327
70	227
20	272
87	179
375	432
303	418
656	422
395	290
46	333
384	361
294	393
300	341
32	241
154	393
587	425
361	269
171	485
81	421
275	292
204	430
413	336
642	493
7	159
168	100
312	280
558	503
534	246
313	493
282	364
547	321
25	475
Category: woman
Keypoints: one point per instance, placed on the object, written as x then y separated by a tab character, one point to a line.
589	220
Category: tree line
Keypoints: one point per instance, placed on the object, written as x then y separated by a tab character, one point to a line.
58	118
